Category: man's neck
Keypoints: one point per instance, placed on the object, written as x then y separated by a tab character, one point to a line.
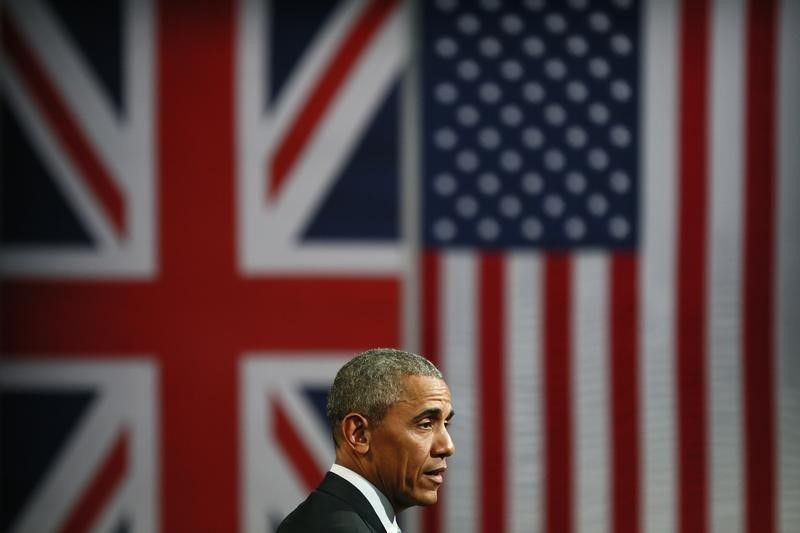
365	486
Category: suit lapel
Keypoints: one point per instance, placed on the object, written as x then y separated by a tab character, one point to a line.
340	488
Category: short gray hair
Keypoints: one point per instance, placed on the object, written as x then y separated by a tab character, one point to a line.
371	382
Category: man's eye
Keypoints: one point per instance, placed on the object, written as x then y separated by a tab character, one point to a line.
426	424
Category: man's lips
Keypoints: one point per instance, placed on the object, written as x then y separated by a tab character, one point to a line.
436	474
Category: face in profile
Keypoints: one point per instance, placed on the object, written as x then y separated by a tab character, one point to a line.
410	445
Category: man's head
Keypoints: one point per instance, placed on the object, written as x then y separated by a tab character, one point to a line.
388	411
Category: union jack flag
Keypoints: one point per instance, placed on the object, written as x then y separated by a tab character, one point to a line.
583	210
140	238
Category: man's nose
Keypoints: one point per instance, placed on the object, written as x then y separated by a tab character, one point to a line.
443	447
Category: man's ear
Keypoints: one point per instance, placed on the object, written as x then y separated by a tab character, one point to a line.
356	432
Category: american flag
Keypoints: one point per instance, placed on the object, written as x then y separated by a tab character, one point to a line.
607	261
595	237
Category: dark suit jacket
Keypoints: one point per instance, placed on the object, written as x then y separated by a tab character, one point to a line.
335	506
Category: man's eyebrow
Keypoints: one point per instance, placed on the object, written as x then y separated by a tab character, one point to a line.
435	412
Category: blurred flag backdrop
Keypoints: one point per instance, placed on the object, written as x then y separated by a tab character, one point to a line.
584	211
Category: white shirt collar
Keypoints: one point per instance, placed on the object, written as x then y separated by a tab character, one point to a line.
370	492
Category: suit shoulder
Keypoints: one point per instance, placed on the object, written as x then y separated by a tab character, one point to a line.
341	522
322	512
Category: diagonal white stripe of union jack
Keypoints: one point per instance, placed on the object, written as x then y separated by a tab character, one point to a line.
100	157
293	151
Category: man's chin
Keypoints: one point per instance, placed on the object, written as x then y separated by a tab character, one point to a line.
430	497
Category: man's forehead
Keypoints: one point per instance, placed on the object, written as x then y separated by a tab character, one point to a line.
421	389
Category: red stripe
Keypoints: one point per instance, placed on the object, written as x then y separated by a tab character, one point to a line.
95	498
624	365
430	324
431	303
491	441
492	438
759	268
691	310
294	447
557	399
91	318
197	265
304	126
66	130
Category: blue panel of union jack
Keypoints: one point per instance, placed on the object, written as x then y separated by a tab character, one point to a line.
531	125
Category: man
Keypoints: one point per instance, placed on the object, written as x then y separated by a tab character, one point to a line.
388	411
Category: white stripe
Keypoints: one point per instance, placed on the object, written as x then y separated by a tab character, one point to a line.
138	495
86	100
141	398
67	176
592	458
138	155
74	468
788	269
459	358
524	331
724	266
658	265
411	183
